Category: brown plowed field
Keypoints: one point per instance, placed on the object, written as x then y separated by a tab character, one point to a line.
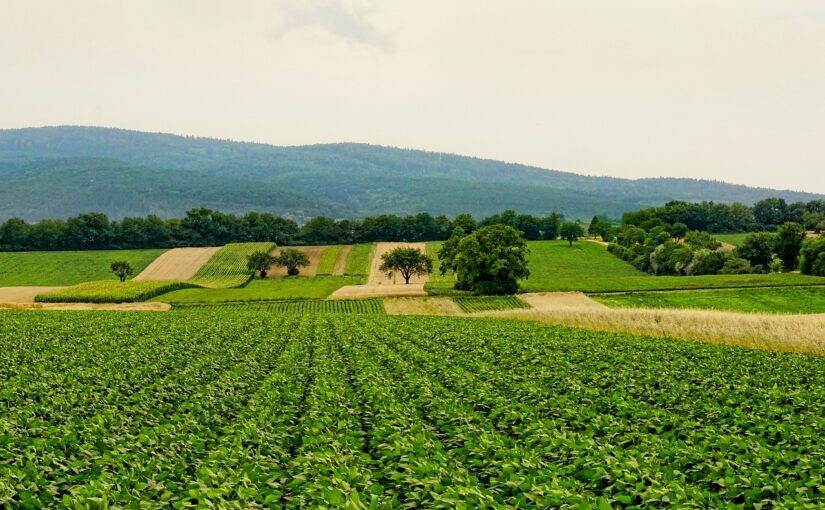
313	252
177	264
22	294
341	261
560	300
378	277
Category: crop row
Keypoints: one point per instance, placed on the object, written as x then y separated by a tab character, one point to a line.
365	306
248	410
472	304
111	291
227	267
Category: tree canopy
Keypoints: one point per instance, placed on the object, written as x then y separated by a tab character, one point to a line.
491	260
407	261
292	260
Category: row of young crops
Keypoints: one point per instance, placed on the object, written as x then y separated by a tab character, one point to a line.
246	410
472	304
111	291
366	306
227	267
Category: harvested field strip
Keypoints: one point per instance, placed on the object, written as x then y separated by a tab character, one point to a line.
358	263
177	264
341	262
108	291
378	277
23	294
227	268
313	253
557	300
365	306
792	333
471	304
326	266
421	306
98	307
58	268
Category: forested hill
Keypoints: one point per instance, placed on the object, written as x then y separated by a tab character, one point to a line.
61	171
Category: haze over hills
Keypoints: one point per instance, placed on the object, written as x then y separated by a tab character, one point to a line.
55	172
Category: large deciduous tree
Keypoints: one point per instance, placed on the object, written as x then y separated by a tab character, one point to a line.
260	262
491	260
292	260
788	242
407	261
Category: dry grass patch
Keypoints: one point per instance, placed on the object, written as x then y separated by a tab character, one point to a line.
23	294
421	306
792	333
177	264
118	307
560	300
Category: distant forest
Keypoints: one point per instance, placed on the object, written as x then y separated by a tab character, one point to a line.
207	227
58	172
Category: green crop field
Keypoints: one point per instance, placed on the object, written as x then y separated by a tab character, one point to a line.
589	267
53	268
368	306
299	287
772	300
227	267
111	291
328	258
358	262
472	304
734	239
198	408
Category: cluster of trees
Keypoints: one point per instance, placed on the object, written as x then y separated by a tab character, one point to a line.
293	260
207	227
676	250
766	215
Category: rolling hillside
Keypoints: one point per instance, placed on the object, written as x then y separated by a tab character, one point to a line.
122	172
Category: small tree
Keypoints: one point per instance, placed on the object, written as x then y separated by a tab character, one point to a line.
757	249
678	231
407	261
292	260
260	262
570	232
122	269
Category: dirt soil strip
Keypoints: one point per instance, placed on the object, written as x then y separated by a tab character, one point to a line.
542	301
341	261
123	307
177	264
22	294
378	277
371	291
313	252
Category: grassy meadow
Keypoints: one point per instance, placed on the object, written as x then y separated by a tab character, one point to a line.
734	239
328	258
294	287
358	262
54	268
759	300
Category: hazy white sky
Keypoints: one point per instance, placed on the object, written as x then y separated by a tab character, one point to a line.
731	90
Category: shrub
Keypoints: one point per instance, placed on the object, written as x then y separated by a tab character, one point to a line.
736	265
810	254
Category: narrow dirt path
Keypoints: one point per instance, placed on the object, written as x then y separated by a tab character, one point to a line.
313	252
122	307
177	264
341	261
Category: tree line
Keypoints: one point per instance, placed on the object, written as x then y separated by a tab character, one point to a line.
207	227
766	215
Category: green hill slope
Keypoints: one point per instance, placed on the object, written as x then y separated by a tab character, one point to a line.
128	172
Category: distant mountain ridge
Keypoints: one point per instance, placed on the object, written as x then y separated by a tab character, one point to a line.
55	172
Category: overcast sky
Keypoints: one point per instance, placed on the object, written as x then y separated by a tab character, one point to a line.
731	90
